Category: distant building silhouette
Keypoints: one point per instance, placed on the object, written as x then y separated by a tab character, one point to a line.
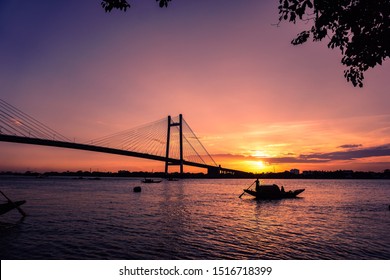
294	171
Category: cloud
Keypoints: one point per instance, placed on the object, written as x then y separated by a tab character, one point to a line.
351	154
269	160
378	151
350	146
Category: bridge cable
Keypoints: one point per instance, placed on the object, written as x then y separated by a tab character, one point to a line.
24	125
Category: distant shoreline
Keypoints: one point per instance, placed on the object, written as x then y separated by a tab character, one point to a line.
339	174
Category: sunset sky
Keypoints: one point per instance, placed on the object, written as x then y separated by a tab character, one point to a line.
256	102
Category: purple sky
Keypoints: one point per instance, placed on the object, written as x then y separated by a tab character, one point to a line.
257	102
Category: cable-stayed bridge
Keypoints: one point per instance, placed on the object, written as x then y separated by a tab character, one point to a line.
170	140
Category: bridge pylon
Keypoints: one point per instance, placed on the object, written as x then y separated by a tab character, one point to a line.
180	125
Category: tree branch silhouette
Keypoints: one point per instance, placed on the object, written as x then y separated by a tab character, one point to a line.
123	5
359	28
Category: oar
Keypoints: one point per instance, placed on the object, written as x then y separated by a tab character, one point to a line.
247	189
16	206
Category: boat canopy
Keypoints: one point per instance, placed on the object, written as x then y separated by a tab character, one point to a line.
269	188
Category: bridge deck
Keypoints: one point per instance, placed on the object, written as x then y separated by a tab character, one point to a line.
87	147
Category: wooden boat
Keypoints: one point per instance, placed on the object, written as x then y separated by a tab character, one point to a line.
8	206
272	192
149	181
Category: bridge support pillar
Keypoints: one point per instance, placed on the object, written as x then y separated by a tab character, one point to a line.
180	125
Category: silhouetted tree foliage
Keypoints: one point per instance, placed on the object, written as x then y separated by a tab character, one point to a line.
123	5
359	28
108	5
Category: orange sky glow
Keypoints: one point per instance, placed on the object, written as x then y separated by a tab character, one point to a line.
256	102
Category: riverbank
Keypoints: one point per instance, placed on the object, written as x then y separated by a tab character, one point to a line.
339	174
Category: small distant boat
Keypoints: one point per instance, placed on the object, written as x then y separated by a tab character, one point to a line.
172	179
8	206
149	181
266	192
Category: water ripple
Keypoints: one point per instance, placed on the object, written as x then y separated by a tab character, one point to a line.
195	219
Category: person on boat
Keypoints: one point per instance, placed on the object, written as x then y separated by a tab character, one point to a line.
282	189
257	185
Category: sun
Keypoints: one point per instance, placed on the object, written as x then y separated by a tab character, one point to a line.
260	164
256	166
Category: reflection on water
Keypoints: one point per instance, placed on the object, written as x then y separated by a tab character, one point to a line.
194	219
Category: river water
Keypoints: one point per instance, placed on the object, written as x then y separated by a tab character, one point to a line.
194	219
